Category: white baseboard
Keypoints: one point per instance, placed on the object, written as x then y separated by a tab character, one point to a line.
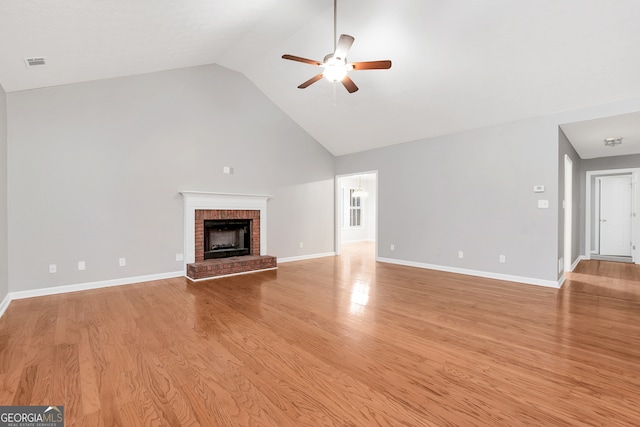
486	274
92	285
577	261
4	304
304	257
561	280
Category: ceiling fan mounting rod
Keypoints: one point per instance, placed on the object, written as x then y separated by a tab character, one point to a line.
335	24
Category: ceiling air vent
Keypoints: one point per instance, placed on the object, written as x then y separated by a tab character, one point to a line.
35	61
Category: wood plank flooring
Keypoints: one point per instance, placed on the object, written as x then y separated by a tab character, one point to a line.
337	341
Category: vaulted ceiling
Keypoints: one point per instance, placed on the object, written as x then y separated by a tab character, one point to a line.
457	64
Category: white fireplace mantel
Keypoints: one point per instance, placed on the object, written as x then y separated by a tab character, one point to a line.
194	200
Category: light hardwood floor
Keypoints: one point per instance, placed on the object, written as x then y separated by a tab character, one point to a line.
333	341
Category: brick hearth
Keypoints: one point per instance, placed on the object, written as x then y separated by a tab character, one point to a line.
202	269
232	265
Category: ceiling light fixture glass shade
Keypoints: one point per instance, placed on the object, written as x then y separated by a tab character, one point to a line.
612	142
335	74
335	69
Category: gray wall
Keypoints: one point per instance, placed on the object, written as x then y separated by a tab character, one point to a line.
4	278
606	163
95	171
565	147
473	192
470	192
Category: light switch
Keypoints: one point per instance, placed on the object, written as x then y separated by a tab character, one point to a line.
543	204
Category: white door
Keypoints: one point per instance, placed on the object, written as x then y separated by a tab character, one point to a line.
615	215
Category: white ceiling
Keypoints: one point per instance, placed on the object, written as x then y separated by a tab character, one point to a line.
457	64
588	137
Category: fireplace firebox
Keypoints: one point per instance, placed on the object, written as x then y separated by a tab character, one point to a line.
227	238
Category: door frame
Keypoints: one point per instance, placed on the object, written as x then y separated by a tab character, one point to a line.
568	213
597	225
339	206
590	207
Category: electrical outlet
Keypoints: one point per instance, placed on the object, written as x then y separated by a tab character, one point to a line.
82	265
393	247
53	268
301	245
122	262
503	259
179	257
460	254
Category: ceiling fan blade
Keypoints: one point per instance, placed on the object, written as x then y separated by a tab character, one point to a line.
300	59
371	65
311	81
349	84
343	46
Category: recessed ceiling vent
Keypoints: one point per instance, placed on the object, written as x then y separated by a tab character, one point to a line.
36	61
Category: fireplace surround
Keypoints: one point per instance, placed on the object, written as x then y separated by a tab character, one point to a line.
231	209
228	216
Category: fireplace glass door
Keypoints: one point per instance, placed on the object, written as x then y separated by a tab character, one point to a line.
227	238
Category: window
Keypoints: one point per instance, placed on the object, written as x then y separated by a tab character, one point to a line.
355	210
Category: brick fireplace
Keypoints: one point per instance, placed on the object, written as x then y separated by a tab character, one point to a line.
201	208
203	215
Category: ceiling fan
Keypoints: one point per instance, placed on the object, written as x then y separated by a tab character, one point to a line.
335	64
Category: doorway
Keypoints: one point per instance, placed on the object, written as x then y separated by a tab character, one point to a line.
356	219
611	221
614	213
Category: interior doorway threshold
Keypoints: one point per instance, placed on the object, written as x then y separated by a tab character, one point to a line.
612	258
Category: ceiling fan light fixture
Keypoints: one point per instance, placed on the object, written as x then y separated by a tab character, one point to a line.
335	64
335	73
612	142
